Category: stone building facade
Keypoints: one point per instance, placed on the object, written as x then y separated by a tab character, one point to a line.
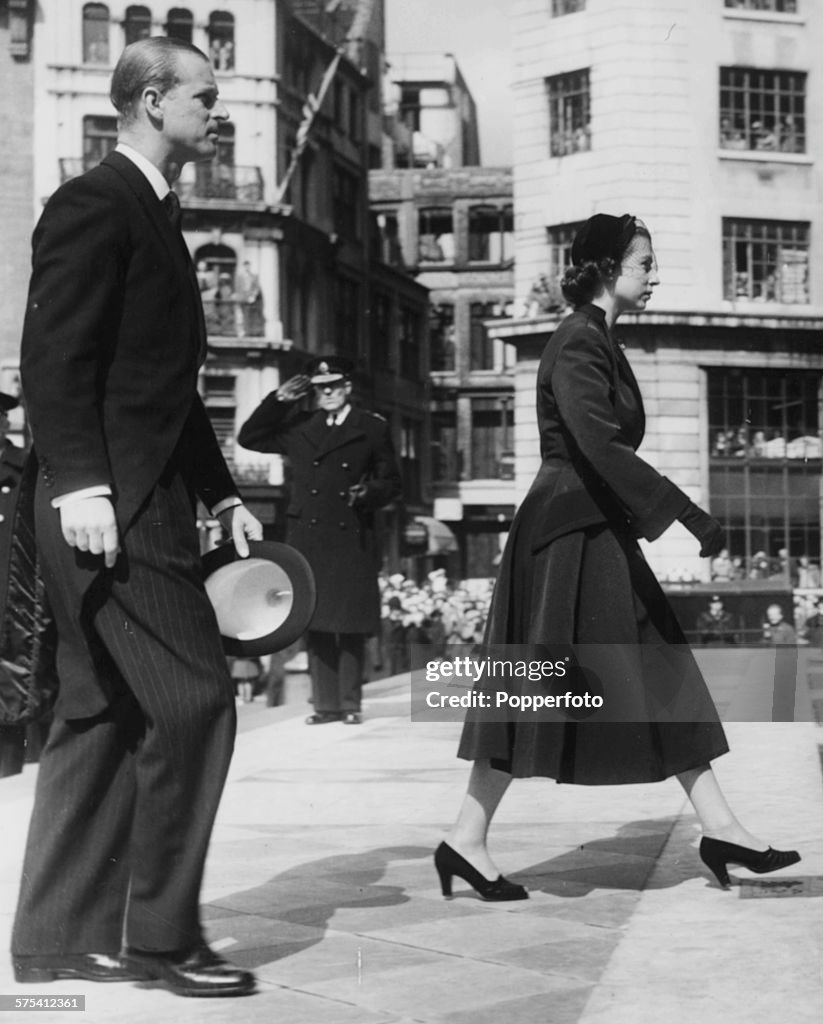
705	120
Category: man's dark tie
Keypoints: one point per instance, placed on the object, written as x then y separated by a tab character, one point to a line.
171	204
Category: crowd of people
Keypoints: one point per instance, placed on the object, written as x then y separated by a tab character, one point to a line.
801	572
781	136
436	613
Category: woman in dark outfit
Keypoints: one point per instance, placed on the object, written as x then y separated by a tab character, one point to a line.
572	573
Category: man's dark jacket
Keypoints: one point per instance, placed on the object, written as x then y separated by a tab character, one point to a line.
120	397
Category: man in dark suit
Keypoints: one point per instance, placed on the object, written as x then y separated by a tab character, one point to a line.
343	468
134	767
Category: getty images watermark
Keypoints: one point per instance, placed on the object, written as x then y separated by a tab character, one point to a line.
662	683
480	673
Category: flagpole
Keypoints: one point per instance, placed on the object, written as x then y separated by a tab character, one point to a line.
310	108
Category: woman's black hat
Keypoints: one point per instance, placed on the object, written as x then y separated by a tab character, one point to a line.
603	237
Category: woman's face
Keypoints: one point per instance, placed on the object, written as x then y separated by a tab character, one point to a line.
638	275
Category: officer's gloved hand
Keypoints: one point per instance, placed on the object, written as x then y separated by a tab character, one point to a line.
705	528
357	494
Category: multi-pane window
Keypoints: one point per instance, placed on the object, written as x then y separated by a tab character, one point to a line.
221	403
346	203
180	24
492	436
441	336
410	108
764	467
339	104
95	34
216	265
99	139
781	6
481	346
410	460
491	232
763	110
221	40
347	315
446	458
410	349
765	261
380	328
569	112
560	239
137	23
560	7
354	115
435	229
386	238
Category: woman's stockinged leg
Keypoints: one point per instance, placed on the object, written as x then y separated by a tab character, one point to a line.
717	819
469	833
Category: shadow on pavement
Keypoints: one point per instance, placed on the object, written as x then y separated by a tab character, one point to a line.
623	861
291	912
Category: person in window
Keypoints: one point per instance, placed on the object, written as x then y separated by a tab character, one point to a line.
573	579
715	626
250	297
813	626
789	141
808	574
722	567
776	631
763	137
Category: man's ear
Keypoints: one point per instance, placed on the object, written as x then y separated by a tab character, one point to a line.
348	389
152	100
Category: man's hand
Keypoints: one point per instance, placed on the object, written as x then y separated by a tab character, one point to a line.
357	492
89	524
294	388
241	526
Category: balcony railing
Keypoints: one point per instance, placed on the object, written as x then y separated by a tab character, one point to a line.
221	181
205	181
233	318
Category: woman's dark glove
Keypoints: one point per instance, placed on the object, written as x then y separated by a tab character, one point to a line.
705	528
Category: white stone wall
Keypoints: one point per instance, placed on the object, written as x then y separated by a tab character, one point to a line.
67	90
654	129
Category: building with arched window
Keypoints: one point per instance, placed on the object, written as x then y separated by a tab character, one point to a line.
282	246
180	24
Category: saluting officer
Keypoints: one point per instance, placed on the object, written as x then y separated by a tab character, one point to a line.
344	468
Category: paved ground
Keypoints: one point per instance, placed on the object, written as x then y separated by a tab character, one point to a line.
320	879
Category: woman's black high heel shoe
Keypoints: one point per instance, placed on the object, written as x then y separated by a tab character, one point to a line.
716	854
449	863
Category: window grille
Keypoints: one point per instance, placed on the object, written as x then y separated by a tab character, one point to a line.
763	110
569	113
765	261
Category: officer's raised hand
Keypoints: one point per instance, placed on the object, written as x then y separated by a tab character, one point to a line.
294	388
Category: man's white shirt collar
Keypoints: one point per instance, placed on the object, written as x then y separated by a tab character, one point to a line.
336	418
142	163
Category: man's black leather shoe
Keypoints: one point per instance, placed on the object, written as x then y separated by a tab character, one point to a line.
323	717
30	970
199	972
352	718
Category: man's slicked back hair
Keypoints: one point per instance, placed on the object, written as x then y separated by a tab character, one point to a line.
148	63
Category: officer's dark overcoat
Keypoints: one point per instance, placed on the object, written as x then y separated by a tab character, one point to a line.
337	537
